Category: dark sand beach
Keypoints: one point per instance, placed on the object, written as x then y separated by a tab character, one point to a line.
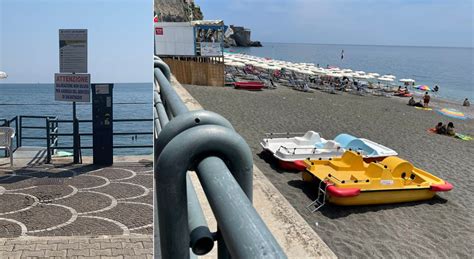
439	228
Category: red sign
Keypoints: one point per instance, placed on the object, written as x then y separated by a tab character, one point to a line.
159	30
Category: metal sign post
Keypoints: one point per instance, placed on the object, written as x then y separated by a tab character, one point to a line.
73	87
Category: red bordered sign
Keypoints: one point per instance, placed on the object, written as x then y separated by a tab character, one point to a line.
158	30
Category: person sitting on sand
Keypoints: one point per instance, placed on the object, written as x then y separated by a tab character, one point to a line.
412	102
466	103
426	99
450	129
440	128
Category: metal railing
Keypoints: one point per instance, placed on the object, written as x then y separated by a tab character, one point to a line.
51	134
204	142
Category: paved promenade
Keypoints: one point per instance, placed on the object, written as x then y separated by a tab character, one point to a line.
77	211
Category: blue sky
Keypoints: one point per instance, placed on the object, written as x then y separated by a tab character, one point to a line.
120	34
371	22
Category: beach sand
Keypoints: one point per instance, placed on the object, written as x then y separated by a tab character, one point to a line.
441	227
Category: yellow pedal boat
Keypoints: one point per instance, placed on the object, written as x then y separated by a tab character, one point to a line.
349	180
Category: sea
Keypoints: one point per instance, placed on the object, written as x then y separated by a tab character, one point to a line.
130	101
451	68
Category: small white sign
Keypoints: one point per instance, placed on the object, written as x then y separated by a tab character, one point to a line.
211	49
73	50
72	87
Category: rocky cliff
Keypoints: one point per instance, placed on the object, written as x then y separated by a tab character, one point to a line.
240	38
177	10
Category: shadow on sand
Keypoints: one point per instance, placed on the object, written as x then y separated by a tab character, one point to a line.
334	211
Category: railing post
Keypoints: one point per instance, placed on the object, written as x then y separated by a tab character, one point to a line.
48	142
76	138
16	130
20	132
56	137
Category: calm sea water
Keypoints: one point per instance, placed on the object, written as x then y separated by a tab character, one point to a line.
131	101
451	68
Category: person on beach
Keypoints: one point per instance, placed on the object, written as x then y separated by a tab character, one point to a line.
436	88
440	128
426	99
412	102
450	129
466	103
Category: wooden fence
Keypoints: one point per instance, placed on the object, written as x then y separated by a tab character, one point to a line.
197	70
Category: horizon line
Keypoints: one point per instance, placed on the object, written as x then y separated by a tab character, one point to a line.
378	45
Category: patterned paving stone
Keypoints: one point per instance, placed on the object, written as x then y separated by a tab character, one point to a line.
148	199
114	173
85	227
84	202
48	193
131	215
42	216
9	229
116	189
86	181
76	201
142	179
11	202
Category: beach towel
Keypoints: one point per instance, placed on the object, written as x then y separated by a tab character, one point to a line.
456	135
423	108
463	137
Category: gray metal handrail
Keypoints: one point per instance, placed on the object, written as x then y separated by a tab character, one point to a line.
205	142
52	134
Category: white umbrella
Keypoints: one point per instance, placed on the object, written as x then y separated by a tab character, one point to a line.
386	79
359	76
3	75
374	74
389	76
407	80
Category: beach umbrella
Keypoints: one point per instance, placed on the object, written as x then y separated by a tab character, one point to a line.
407	80
389	76
374	74
386	79
3	75
423	87
452	113
359	76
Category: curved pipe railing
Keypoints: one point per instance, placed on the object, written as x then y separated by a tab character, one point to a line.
205	142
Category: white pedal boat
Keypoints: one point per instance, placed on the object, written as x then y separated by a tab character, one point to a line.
291	150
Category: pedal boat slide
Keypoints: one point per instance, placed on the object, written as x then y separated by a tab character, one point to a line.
349	180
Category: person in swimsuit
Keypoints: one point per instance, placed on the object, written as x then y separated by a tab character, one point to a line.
426	99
